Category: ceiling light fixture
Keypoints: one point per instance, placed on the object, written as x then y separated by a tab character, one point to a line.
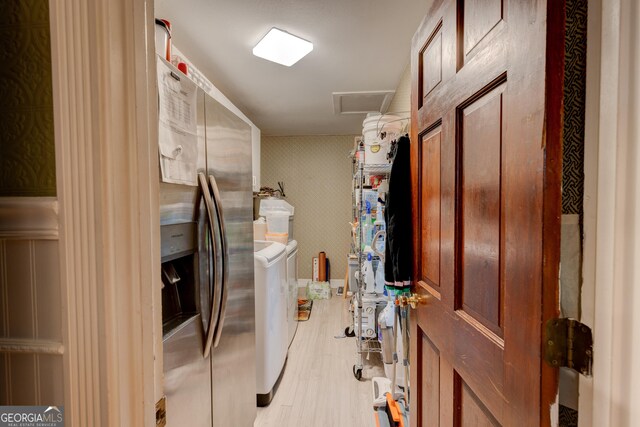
282	47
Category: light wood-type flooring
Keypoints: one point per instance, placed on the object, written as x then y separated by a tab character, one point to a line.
318	388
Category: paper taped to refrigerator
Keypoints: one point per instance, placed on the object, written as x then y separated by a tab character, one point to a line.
177	129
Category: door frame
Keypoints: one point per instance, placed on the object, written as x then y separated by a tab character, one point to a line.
105	120
609	173
612	238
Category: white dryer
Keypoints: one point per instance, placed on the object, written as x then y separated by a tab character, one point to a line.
292	296
271	287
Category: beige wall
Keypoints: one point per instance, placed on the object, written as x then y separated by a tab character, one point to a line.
317	181
317	177
401	101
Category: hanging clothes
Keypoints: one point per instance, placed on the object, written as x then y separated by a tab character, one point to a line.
398	249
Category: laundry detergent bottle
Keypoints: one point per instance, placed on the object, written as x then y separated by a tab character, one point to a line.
367	229
378	226
369	280
379	278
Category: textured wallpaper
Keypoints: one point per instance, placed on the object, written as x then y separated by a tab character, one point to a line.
27	152
574	105
317	181
401	101
573	141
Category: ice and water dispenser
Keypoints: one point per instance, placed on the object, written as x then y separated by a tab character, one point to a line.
179	275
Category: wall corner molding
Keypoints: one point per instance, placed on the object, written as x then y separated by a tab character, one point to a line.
29	218
29	346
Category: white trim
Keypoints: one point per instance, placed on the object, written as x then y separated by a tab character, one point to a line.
107	185
592	128
612	303
17	345
29	218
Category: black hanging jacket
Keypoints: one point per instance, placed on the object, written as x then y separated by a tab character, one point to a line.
398	248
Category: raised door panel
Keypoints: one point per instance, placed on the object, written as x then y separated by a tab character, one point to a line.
479	169
431	207
431	60
430	375
476	20
470	411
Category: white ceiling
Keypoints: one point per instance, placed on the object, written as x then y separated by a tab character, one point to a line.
359	45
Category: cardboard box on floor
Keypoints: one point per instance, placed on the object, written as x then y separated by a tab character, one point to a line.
318	290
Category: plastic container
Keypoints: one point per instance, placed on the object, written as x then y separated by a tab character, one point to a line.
385	336
353	269
368	229
278	222
369	280
374	128
379	235
379	278
368	195
273	206
318	290
259	229
378	242
379	214
163	39
277	237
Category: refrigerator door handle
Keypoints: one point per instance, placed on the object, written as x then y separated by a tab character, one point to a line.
225	260
202	181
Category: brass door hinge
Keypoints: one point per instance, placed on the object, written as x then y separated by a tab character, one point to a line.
568	343
161	412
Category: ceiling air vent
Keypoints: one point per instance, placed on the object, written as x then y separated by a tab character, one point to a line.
362	102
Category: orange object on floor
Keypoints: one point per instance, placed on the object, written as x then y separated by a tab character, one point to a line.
322	270
395	412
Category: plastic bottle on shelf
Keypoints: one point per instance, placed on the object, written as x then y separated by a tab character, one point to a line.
369	280
379	278
379	225
379	214
367	227
360	152
373	228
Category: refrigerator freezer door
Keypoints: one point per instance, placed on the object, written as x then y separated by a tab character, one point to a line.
188	396
228	150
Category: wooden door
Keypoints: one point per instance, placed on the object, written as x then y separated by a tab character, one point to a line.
486	167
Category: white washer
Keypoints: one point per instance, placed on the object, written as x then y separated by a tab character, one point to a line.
271	286
292	280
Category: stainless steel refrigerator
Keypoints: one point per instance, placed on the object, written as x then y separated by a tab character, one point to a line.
208	289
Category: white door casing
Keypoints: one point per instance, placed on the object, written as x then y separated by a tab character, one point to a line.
610	295
105	113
